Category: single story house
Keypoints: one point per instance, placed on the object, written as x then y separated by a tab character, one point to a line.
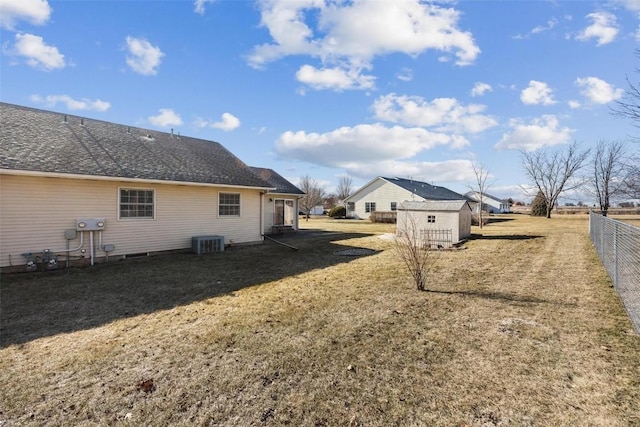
75	188
440	224
281	203
490	203
385	194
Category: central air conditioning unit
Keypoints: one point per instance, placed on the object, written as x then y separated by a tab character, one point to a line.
207	244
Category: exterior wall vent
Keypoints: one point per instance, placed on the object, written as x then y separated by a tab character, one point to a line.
207	244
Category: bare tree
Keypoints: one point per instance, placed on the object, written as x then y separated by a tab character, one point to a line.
631	187
412	247
345	188
314	194
610	170
629	106
480	187
553	172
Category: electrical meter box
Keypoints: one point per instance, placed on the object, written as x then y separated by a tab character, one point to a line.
90	224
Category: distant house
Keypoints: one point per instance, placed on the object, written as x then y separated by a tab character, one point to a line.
490	203
386	194
439	224
74	187
280	210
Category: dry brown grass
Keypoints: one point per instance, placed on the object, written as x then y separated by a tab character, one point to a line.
522	328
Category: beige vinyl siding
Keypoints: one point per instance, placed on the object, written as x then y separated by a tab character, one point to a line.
382	193
35	212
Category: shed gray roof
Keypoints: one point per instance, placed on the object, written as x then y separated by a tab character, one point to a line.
44	141
277	181
434	206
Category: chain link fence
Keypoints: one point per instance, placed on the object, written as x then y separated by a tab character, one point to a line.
618	245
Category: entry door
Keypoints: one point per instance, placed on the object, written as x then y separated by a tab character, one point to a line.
289	212
279	215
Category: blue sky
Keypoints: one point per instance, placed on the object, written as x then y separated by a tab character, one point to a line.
328	88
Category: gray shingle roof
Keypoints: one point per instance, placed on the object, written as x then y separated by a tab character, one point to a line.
281	185
427	191
44	141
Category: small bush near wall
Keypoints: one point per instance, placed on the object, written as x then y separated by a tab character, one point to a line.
338	212
475	219
386	217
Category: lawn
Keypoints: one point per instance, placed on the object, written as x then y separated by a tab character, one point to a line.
520	328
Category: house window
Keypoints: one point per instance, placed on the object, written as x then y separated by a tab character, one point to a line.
229	204
394	206
431	219
136	203
351	206
369	206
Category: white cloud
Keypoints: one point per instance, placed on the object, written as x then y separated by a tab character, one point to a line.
38	54
604	28
334	78
406	75
229	122
198	6
444	114
537	93
480	89
349	35
574	104
144	58
597	90
631	5
446	171
360	144
70	103
540	132
551	23
36	12
167	117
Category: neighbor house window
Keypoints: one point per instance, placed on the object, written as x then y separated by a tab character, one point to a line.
136	203
394	206
229	204
431	218
369	206
351	206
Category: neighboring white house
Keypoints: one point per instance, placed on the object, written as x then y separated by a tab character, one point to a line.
440	223
490	203
74	187
386	194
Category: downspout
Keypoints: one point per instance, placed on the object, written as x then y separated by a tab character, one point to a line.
262	215
296	215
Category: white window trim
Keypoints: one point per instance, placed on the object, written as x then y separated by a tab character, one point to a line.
239	204
137	218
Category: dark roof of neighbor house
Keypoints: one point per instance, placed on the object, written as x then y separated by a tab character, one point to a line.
472	195
49	142
426	190
277	181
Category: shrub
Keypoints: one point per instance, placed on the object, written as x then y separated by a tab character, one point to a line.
475	219
387	217
338	212
539	205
